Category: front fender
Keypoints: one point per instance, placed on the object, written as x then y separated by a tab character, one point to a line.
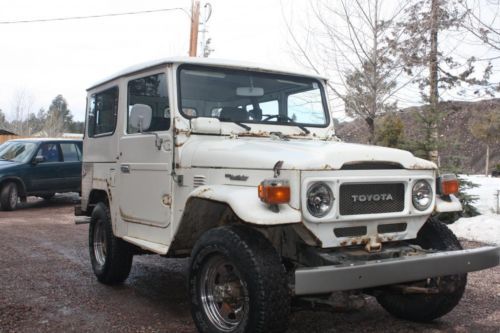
447	206
246	204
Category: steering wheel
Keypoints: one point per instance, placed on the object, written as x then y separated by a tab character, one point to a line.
277	116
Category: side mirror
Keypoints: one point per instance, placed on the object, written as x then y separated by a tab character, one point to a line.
38	159
140	117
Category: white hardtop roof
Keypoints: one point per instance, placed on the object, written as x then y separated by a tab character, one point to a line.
208	62
45	139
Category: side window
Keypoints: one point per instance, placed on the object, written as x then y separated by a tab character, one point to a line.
49	152
102	113
70	152
150	90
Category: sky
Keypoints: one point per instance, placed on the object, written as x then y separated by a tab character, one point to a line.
66	57
45	59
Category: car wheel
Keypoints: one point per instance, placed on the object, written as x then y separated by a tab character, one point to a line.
237	283
9	196
426	307
111	257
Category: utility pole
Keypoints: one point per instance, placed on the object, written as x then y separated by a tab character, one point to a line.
205	43
195	21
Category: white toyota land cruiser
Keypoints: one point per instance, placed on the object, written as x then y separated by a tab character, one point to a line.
238	167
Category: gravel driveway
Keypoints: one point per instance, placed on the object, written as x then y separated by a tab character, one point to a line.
47	285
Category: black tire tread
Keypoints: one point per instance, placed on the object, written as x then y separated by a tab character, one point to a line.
255	257
4	196
424	308
119	256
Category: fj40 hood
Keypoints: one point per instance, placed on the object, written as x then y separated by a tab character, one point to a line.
263	153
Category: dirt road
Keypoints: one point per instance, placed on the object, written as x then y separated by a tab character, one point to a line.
47	285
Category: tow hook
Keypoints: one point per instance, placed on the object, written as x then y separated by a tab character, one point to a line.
373	245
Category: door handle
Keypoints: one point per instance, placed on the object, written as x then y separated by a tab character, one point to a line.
125	168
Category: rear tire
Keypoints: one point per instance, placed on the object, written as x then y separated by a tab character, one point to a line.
111	257
9	196
427	307
237	283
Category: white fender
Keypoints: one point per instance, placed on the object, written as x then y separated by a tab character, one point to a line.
246	204
443	206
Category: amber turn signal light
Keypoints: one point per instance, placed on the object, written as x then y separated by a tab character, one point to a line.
448	184
274	191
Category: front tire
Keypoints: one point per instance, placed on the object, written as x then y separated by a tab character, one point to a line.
237	283
9	196
427	307
110	256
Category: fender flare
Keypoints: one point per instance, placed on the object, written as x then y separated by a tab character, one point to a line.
245	203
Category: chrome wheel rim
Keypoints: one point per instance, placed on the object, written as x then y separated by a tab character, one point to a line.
100	243
13	196
224	296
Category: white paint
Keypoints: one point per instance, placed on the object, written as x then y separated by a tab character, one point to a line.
137	175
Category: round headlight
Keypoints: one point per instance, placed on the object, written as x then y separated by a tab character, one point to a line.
422	195
319	199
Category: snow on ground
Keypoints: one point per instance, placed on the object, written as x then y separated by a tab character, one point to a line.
485	227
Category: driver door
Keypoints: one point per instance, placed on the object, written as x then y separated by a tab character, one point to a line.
145	161
45	176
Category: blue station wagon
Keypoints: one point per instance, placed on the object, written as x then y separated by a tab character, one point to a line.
38	167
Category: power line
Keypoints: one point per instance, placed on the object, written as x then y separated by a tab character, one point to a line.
94	16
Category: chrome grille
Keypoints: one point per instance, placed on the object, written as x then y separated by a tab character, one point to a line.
371	198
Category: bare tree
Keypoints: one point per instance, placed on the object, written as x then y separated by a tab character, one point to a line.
482	21
22	103
485	26
348	41
420	49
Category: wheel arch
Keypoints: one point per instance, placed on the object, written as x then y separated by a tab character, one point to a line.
209	207
200	215
96	196
18	181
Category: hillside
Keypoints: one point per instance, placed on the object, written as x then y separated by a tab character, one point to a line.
458	147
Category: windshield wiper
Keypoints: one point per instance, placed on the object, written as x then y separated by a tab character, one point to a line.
277	116
248	128
302	127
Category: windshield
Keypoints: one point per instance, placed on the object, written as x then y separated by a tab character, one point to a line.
251	97
17	151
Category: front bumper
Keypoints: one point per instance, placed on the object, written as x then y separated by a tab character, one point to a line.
359	275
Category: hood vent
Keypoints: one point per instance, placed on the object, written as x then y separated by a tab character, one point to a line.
371	166
199	180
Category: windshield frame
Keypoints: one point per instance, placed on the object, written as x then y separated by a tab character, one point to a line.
279	75
29	156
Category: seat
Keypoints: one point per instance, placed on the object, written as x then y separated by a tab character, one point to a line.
159	124
233	114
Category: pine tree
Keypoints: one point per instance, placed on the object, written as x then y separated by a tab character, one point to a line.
421	53
390	131
59	117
